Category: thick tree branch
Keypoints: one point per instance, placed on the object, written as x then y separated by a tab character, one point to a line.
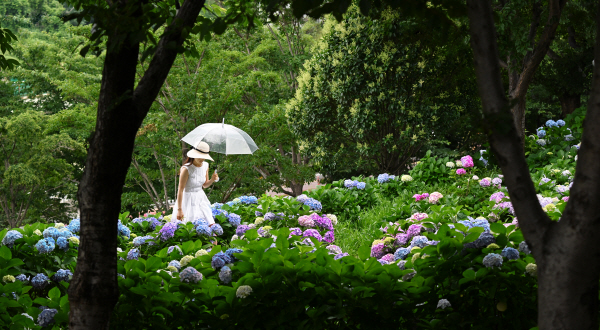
502	132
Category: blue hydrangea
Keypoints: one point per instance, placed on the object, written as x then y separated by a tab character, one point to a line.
483	223
234	219
217	206
62	275
341	255
401	253
217	229
270	216
175	264
203	230
173	248
10	238
66	233
361	185
217	263
224	256
45	245
510	253
46	317
51	232
216	212
350	184
62	243
74	226
551	123
381	178
133	254
249	200
569	137
420	241
492	260
141	240
123	230
231	251
314	204
485	239
23	278
225	275
190	275
39	281
152	222
560	123
466	223
541	133
258	214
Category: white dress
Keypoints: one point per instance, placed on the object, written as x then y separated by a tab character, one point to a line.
194	203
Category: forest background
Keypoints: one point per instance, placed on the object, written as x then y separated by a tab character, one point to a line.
308	91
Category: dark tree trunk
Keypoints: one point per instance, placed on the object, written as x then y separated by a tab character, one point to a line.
569	102
566	252
296	188
121	109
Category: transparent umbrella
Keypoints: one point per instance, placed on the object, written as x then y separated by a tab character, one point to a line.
222	138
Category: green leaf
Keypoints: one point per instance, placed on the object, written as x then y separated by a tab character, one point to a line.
54	294
364	252
498	228
5	253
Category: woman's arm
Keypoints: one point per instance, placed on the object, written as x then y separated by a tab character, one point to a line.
183	177
211	181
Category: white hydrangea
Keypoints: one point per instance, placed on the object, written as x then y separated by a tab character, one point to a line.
458	163
406	178
243	291
443	304
333	218
450	164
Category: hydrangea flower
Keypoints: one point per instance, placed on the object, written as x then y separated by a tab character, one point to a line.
39	281
270	216
560	123
248	199
497	197
203	230
531	269
51	232
173	248
190	275
243	291
234	219
510	253
401	239
264	231
388	258
434	197
406	178
74	240
541	142
329	236
565	199
561	189
133	254
333	218
74	226
260	214
378	250
306	221
361	185
419	241
541	133
62	275
122	230
523	247
23	278
497	181
46	317
481	222
492	260
322	222
484	182
141	240
419	216
8	279
467	161
475	177
341	255
225	275
185	260
312	233
63	243
349	184
461	171
443	304
37	232
551	123
566	173
45	245
314	204
230	253
484	240
450	164
201	252
295	232
569	137
175	263
10	238
216	229
414	230
381	178
334	249
241	230
401	253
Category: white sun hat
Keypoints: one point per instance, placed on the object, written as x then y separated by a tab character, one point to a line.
201	151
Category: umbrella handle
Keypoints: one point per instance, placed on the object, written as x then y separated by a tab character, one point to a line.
217	180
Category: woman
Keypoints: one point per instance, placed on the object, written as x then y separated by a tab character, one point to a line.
192	203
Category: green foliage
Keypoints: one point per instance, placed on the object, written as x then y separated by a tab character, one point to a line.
6	38
368	98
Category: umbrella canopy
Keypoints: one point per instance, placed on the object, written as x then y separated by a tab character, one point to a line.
222	138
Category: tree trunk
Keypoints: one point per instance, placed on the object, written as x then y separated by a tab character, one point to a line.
93	292
566	252
518	112
569	102
296	188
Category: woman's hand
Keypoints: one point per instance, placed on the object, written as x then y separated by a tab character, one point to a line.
215	177
180	214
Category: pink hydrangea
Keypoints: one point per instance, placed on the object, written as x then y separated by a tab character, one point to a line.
401	239
434	197
484	182
461	171
419	216
467	161
418	197
388	257
497	197
425	195
413	231
306	221
566	198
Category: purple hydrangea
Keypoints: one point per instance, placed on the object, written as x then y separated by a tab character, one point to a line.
497	181
312	233
190	275
306	221
295	232
341	255
270	216
258	214
133	254
350	184
234	219
152	222
389	258
329	237
322	222
361	185
484	182
302	198
168	231
216	229
334	249
402	239
497	197
225	275
378	250
241	230
414	230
